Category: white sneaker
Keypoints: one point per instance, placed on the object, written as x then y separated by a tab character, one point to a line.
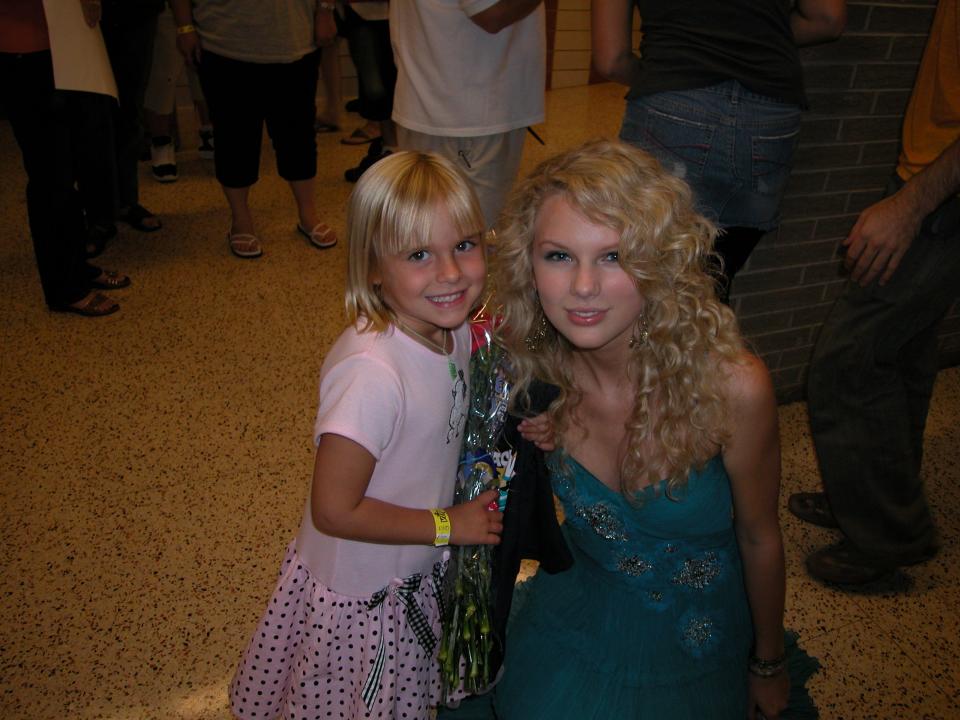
163	162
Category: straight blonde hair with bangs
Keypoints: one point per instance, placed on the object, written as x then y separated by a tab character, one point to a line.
665	246
391	211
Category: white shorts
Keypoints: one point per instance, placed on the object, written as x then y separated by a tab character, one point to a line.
490	161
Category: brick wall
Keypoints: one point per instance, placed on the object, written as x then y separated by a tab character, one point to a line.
858	89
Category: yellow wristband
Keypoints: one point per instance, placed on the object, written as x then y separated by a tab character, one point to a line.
184	29
441	521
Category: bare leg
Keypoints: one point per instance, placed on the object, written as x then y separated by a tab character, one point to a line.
241	221
320	234
303	193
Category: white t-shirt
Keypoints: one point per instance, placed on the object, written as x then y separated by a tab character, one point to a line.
397	399
454	79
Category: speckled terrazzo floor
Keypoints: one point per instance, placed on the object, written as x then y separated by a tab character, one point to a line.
154	465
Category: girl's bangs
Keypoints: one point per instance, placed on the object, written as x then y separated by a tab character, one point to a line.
408	220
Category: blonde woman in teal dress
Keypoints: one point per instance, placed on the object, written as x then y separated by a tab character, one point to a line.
667	462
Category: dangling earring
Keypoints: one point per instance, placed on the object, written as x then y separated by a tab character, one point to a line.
641	333
538	337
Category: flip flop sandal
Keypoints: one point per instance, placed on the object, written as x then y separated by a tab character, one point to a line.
359	137
134	217
322	235
110	280
244	245
98	306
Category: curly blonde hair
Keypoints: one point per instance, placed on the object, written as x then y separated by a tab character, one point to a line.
666	246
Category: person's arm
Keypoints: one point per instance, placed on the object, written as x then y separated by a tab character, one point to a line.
504	14
612	40
324	25
752	459
339	505
817	21
885	230
188	41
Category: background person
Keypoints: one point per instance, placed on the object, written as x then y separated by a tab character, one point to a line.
715	95
470	79
875	362
160	103
53	131
258	64
129	28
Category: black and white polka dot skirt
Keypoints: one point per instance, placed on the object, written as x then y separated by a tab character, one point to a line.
318	654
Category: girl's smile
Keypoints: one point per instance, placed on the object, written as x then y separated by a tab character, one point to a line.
434	287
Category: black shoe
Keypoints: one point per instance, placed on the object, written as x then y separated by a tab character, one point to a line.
206	144
375	153
843	564
812	507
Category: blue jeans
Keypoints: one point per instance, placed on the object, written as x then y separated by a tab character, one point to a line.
734	147
372	55
868	393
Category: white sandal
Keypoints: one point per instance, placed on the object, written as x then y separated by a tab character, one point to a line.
322	235
244	245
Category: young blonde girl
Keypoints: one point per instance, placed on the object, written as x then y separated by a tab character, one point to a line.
351	629
668	461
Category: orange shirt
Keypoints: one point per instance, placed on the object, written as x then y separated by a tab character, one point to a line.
23	26
932	122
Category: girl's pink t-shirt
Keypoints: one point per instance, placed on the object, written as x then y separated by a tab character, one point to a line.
397	399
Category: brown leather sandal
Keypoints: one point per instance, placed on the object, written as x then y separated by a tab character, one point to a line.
93	305
110	280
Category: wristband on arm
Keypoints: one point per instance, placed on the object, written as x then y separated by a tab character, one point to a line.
441	523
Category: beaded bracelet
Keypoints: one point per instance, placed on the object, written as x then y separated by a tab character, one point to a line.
441	523
767	668
185	29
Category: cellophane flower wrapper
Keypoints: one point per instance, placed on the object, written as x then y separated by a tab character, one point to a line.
467	640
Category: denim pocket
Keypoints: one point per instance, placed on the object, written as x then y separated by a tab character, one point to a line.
679	143
771	161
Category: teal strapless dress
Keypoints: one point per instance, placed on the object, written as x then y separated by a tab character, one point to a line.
651	621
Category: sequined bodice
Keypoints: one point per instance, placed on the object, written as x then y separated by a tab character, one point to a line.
672	553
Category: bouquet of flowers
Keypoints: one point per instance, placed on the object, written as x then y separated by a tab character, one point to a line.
467	639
